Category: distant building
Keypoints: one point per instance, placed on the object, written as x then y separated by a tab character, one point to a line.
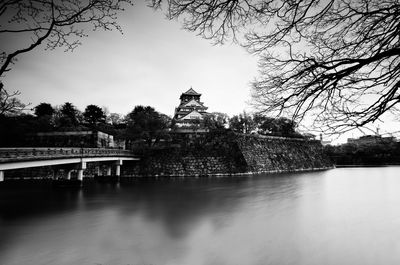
309	136
190	109
87	139
370	139
323	141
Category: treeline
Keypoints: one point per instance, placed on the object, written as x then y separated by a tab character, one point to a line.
264	125
385	152
143	123
248	124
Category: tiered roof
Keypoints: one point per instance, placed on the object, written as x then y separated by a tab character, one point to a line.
190	106
190	92
192	103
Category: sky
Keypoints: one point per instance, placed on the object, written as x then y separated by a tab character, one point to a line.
151	63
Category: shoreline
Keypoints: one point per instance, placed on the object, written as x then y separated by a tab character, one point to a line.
232	174
385	165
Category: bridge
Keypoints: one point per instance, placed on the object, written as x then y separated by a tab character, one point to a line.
72	157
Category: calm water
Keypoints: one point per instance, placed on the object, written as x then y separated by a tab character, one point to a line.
340	216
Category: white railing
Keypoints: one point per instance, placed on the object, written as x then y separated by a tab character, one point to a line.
23	153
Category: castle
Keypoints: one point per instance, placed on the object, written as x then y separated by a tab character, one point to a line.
190	110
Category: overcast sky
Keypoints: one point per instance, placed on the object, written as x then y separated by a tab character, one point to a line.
152	63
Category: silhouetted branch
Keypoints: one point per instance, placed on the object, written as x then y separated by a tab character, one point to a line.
9	103
336	62
55	22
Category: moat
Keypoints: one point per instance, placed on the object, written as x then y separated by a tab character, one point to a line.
339	216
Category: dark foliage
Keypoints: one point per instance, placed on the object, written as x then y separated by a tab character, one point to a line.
215	121
94	114
242	123
276	126
14	129
69	115
257	123
378	153
44	109
145	123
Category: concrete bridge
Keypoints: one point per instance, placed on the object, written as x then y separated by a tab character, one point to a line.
73	158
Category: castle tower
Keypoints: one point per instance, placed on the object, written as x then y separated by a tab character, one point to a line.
190	109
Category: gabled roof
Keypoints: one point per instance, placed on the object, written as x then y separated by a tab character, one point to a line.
191	92
192	112
193	103
186	105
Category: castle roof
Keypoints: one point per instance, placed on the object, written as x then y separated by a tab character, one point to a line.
191	92
190	115
192	103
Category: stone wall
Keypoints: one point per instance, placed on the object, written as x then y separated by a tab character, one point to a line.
230	154
212	154
279	154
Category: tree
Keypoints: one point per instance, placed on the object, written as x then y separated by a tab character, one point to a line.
57	23
242	123
215	120
147	124
44	116
15	129
44	109
94	114
69	115
9	103
275	126
235	124
335	61
385	150
114	118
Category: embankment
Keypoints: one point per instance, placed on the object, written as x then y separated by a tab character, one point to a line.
231	154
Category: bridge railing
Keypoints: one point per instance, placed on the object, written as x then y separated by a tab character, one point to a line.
22	154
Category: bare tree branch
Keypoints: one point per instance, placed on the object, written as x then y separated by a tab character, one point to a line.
9	103
334	61
57	23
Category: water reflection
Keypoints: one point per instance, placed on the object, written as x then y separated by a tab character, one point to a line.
342	216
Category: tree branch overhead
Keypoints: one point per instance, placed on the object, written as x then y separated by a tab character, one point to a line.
334	61
55	23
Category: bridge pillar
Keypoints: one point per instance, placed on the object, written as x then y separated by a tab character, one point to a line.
69	171
118	165
81	167
54	172
80	174
108	170
1	175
